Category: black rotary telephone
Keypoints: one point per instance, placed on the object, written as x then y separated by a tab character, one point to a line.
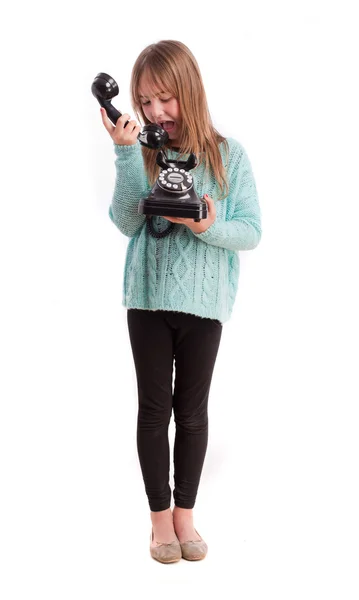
173	194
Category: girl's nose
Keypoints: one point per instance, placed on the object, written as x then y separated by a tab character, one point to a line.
157	112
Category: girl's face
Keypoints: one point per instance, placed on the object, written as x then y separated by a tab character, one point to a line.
162	109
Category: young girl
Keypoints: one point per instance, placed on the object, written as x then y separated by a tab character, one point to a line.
178	288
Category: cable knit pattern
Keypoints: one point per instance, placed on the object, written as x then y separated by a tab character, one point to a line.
188	272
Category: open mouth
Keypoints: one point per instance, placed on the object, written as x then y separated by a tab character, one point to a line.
168	125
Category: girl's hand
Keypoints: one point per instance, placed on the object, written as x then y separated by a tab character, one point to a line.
204	223
121	135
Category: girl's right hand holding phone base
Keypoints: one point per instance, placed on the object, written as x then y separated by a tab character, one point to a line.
121	135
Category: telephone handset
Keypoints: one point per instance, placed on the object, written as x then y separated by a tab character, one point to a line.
104	88
173	193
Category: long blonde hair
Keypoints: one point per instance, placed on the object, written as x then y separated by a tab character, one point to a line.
171	66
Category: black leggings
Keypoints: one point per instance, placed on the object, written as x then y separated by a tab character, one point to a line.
158	337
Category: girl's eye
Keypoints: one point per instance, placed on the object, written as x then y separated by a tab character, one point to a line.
148	102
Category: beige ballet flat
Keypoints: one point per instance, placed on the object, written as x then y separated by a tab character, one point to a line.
165	553
194	550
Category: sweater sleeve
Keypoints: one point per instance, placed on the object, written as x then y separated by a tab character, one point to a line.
243	230
131	185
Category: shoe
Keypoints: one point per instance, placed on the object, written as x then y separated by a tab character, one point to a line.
194	550
166	553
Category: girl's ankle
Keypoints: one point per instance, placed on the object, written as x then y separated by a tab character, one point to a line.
161	515
179	509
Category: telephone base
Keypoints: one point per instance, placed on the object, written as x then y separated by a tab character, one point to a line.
163	208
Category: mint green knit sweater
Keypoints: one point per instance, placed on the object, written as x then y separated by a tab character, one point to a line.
187	272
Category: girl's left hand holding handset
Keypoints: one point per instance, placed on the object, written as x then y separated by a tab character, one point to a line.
204	224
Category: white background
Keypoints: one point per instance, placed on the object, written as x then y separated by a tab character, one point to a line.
278	498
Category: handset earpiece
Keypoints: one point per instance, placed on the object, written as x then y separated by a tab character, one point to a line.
104	88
